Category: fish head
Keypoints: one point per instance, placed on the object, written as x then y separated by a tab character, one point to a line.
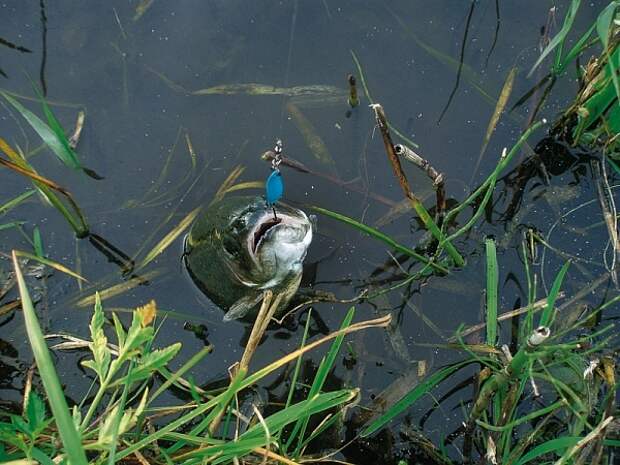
262	248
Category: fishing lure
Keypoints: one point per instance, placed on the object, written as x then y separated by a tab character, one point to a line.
274	186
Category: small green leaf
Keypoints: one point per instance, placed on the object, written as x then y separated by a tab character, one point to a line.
121	335
22	425
136	337
99	345
150	363
35	412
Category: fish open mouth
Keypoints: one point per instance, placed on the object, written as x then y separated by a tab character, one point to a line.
263	228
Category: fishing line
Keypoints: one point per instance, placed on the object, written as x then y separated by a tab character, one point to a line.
288	61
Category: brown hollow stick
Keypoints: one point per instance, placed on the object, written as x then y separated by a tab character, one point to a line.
435	176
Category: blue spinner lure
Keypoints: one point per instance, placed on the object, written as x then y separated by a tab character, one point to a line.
274	186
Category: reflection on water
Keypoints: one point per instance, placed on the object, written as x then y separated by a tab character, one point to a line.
176	96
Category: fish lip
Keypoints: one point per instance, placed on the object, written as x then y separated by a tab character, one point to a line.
260	231
265	226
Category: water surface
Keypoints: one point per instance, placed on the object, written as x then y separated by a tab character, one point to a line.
134	76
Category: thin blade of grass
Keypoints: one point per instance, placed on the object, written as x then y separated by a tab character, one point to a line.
495	174
190	150
604	22
547	447
252	88
12	224
47	134
172	379
38	242
325	367
55	394
412	396
576	49
169	238
504	95
11	204
279	420
560	36
380	236
118	289
228	182
245	185
142	8
548	315
492	280
304	337
50	263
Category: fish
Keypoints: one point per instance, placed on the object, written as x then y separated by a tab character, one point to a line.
238	248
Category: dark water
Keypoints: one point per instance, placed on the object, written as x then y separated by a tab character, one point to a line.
129	73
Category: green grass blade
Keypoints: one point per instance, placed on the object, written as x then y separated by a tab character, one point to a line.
69	154
246	382
8	206
548	447
579	47
495	174
560	36
479	212
47	134
547	315
38	242
50	263
380	236
169	238
255	436
172	378
327	363
604	22
46	188
12	224
55	395
412	396
304	337
523	419
492	279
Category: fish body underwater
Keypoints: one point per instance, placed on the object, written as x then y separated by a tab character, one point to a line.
237	249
